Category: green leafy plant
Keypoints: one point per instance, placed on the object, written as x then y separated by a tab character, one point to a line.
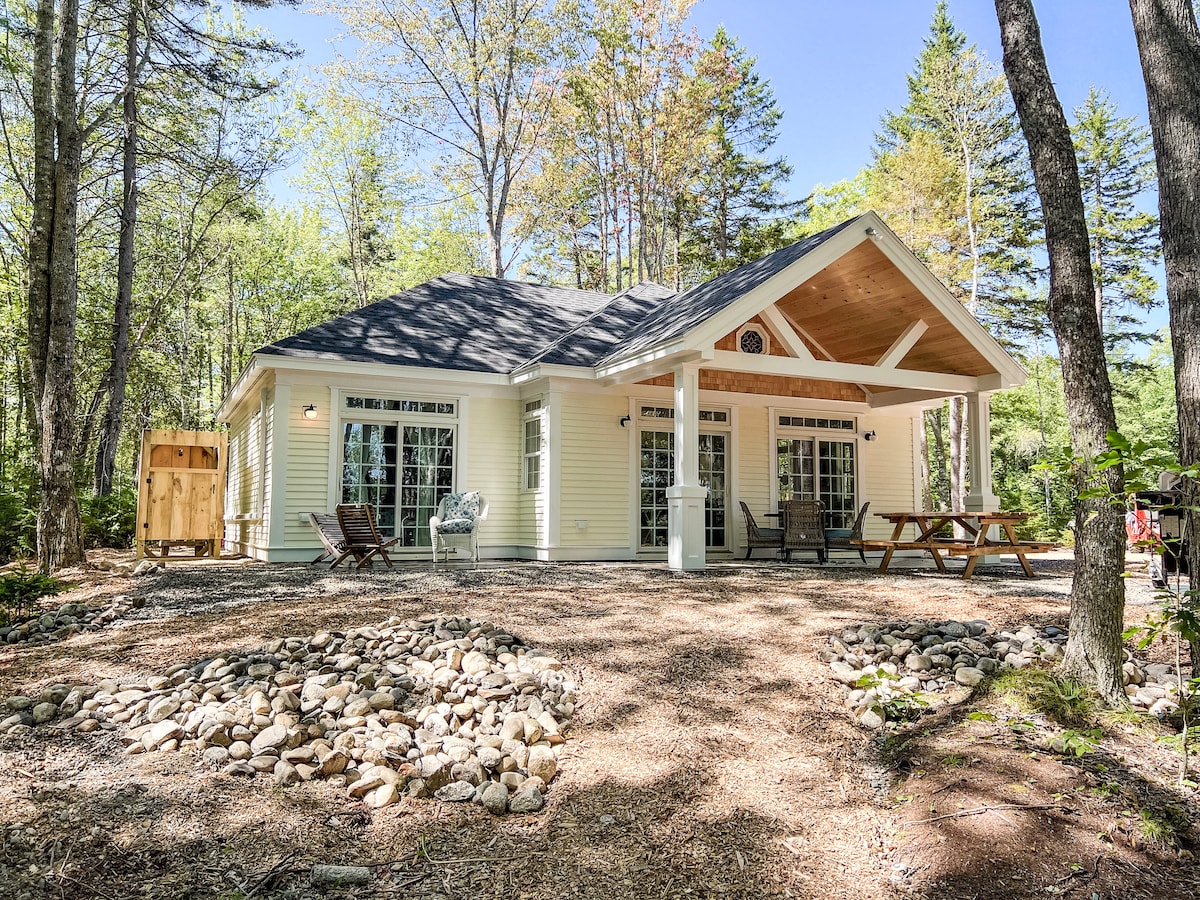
1077	743
109	521
890	704
20	591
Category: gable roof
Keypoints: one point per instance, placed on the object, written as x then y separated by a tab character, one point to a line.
463	322
679	315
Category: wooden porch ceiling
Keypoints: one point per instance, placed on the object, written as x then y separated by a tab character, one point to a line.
857	307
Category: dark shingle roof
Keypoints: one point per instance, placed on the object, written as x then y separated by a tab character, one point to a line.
679	315
457	321
477	324
595	337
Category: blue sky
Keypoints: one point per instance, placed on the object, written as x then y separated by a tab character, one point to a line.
838	65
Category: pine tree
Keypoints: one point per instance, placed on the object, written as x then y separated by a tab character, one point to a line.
1115	167
954	178
734	212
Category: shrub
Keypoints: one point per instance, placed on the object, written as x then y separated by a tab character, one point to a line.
109	521
20	591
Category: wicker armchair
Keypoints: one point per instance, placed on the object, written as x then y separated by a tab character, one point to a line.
844	538
803	527
759	537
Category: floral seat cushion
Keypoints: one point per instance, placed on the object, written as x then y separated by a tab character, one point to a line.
459	513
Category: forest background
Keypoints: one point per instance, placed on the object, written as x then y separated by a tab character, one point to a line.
230	195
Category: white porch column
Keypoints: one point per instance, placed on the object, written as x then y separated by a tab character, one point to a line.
685	499
979	454
979	463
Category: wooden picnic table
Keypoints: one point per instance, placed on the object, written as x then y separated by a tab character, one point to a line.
980	543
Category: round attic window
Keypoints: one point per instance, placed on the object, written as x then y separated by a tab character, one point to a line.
751	340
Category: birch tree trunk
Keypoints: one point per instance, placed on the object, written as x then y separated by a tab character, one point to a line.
1094	645
1169	46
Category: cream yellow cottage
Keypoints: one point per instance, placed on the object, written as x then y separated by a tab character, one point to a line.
614	427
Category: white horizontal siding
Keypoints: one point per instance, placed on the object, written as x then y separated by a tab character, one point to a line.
493	467
307	463
595	472
756	463
888	470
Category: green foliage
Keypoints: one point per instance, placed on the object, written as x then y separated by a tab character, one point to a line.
20	591
18	513
1116	166
109	521
1073	742
1063	700
892	705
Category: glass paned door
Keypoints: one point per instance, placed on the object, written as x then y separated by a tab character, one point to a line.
796	468
657	473
811	469
836	482
712	475
369	470
426	475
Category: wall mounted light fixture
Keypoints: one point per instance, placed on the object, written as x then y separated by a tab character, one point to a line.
869	436
625	420
310	411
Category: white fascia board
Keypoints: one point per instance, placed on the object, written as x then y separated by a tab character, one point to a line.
385	370
936	293
662	356
787	335
821	370
536	371
777	286
900	347
241	388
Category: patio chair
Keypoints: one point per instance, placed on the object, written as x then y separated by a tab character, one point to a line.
803	527
457	521
759	537
330	532
363	540
844	538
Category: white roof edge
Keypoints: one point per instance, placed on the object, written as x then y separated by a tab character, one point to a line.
778	285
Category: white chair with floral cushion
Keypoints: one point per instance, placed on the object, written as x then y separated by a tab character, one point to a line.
456	523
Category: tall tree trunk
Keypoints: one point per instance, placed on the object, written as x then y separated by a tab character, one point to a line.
53	290
1169	45
1093	651
122	354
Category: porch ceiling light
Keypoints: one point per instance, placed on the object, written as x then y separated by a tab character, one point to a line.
310	411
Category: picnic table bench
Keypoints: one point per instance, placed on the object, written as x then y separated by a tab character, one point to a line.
977	524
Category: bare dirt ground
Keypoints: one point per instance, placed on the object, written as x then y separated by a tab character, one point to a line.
711	756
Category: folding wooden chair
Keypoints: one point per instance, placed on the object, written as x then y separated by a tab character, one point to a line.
363	540
330	532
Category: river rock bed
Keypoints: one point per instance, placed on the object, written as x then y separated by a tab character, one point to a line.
894	667
447	707
69	619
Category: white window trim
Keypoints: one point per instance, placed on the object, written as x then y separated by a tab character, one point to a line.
539	416
761	331
642	423
794	432
343	414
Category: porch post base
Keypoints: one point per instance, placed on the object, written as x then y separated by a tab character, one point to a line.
685	527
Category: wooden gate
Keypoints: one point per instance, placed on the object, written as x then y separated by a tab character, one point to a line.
181	492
